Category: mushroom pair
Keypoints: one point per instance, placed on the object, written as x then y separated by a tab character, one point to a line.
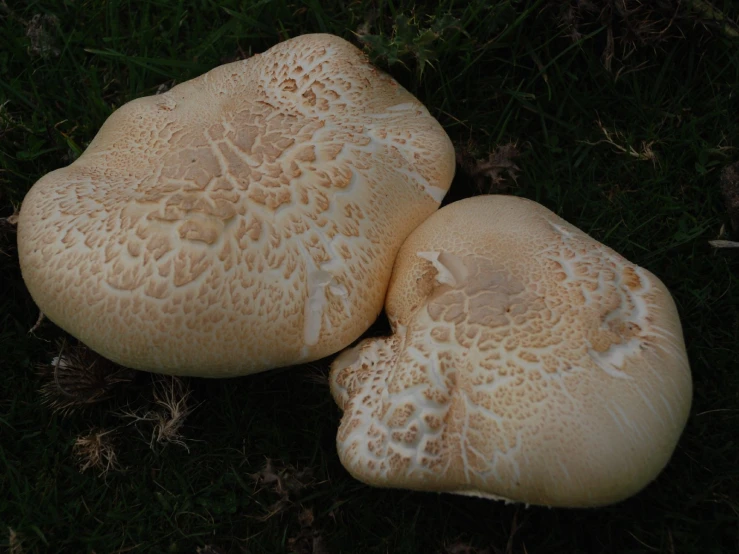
249	219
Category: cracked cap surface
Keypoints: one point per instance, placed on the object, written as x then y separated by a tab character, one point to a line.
246	219
528	363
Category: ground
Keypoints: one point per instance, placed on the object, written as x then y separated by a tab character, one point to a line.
618	117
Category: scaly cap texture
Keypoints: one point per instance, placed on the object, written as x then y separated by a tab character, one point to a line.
528	363
246	219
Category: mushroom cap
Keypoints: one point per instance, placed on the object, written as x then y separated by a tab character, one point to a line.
245	220
529	363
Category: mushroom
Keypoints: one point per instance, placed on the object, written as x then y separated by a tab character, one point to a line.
528	363
245	220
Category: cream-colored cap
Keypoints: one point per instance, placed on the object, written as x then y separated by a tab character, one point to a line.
529	362
246	219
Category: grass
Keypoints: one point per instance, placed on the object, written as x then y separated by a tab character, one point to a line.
629	150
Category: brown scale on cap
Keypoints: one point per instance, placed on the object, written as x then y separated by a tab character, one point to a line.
528	362
244	220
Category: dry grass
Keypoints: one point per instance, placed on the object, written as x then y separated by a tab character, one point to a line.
619	141
96	451
289	484
286	481
209	549
723	243
15	545
634	24
42	32
171	397
77	377
309	539
8	224
493	174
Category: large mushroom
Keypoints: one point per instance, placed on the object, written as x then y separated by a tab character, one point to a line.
528	362
246	219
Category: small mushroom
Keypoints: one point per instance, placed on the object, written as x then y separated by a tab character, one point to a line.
245	220
528	363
